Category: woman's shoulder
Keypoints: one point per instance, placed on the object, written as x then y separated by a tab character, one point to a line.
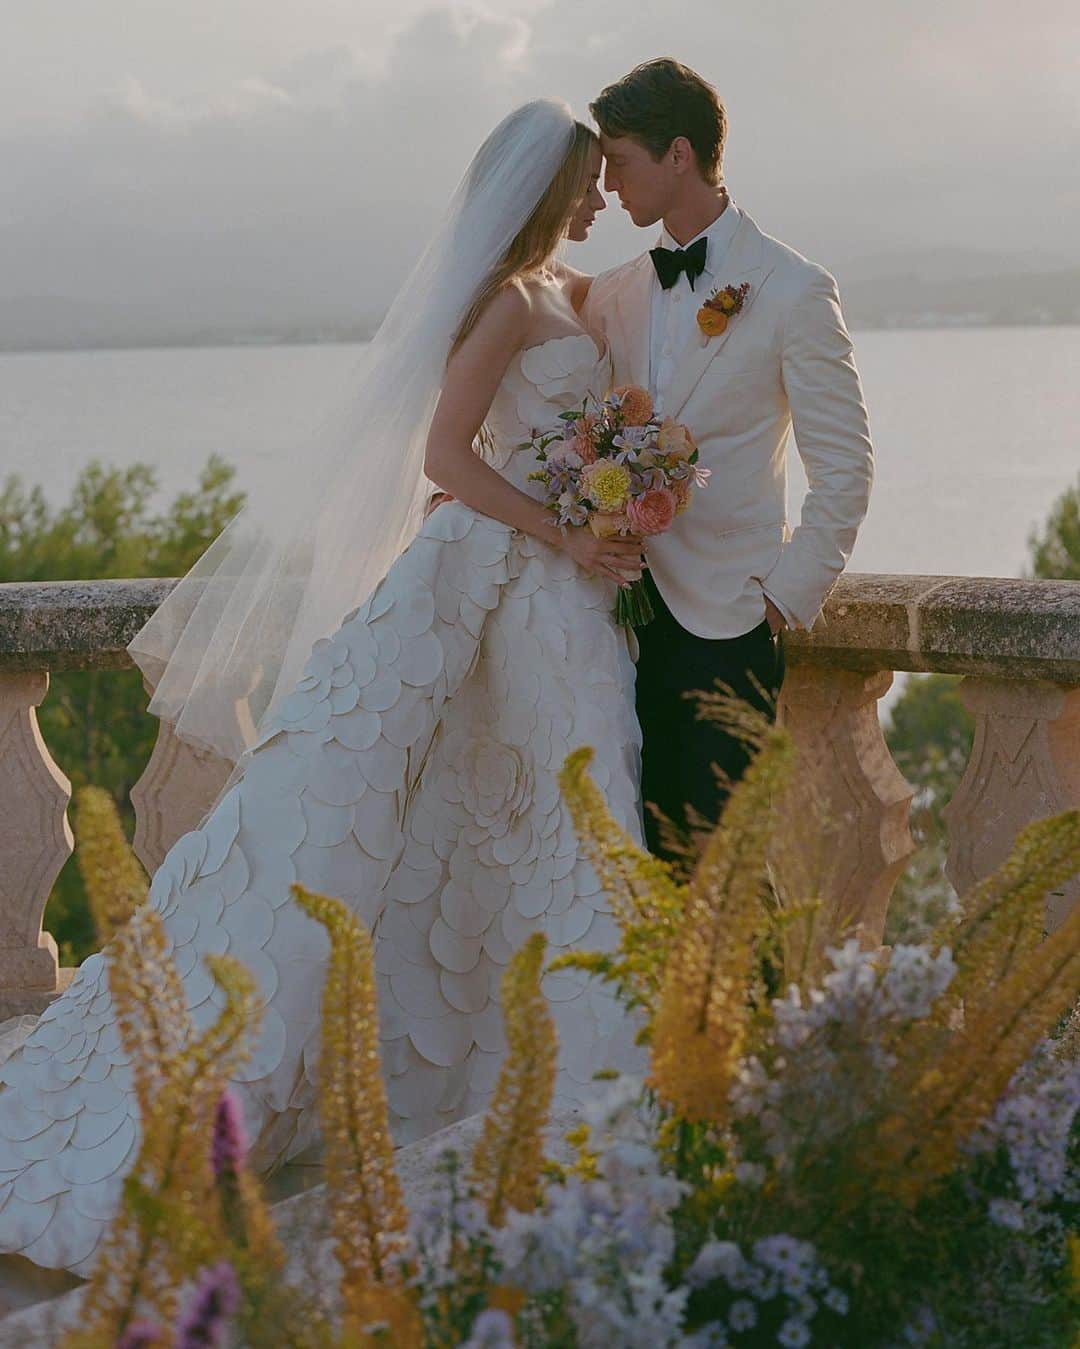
576	284
508	309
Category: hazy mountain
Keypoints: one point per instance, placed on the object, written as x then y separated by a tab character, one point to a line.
952	264
993	298
935	287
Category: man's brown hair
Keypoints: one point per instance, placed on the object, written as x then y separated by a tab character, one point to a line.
659	101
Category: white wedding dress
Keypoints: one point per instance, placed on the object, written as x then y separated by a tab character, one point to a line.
412	773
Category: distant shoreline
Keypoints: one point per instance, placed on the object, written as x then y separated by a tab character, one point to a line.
225	343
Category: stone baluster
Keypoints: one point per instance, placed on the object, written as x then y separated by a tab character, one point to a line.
1024	766
35	842
849	804
178	786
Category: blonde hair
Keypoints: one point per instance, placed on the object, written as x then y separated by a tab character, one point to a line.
536	242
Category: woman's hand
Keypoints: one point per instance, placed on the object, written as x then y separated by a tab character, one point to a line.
616	559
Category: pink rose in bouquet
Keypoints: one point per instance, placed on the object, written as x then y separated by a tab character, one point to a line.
653	511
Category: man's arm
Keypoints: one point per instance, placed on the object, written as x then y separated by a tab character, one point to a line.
833	437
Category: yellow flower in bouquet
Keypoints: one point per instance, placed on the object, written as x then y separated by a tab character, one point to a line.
606	484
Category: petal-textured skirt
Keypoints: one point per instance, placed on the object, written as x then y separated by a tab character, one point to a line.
413	773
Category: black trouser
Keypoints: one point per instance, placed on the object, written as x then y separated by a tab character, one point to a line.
679	750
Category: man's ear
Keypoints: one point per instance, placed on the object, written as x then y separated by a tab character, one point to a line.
682	154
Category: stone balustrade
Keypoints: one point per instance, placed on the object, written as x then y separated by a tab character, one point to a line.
1017	644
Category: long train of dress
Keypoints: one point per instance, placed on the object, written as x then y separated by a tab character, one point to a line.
413	774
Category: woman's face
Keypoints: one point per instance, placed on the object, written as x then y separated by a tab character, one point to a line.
591	202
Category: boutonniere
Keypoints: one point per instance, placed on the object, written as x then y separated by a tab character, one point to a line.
723	304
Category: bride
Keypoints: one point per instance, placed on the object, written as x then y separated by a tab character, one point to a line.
401	756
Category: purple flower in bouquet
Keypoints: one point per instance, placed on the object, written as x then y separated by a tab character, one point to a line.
635	439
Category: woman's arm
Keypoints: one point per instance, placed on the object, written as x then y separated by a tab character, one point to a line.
473	376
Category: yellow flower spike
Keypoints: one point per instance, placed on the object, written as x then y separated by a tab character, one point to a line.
367	1209
151	1010
508	1160
1004	915
975	1067
645	898
165	1227
701	1023
116	884
382	1317
585	1165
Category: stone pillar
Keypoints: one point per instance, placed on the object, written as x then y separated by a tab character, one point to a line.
848	808
178	786
1024	766
35	842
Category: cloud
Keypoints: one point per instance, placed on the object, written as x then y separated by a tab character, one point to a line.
302	184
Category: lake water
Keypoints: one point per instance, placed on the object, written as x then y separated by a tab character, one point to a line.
975	430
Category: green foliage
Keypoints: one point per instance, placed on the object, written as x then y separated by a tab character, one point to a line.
929	734
95	722
1055	552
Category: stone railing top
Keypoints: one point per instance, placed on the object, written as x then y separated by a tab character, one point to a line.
961	625
74	625
972	625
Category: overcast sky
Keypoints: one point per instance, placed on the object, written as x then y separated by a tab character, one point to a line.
286	156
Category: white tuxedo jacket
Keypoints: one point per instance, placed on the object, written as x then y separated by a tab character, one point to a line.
785	361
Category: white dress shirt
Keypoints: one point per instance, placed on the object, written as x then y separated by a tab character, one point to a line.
673	316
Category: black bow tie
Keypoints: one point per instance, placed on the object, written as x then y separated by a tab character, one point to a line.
669	262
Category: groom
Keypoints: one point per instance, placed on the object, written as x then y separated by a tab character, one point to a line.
730	574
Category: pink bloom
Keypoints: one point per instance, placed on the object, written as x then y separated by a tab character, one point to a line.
582	445
653	511
580	438
634	403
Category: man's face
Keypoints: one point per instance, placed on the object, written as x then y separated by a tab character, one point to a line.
645	187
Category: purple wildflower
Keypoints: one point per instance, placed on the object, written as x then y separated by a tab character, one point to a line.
140	1335
216	1299
229	1147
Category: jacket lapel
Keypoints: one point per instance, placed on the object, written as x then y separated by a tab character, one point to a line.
633	311
742	263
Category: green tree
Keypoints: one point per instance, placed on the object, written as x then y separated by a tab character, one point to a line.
929	733
1055	551
95	722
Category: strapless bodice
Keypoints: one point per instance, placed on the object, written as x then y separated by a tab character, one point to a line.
540	382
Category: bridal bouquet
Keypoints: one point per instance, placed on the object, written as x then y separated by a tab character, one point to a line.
616	467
